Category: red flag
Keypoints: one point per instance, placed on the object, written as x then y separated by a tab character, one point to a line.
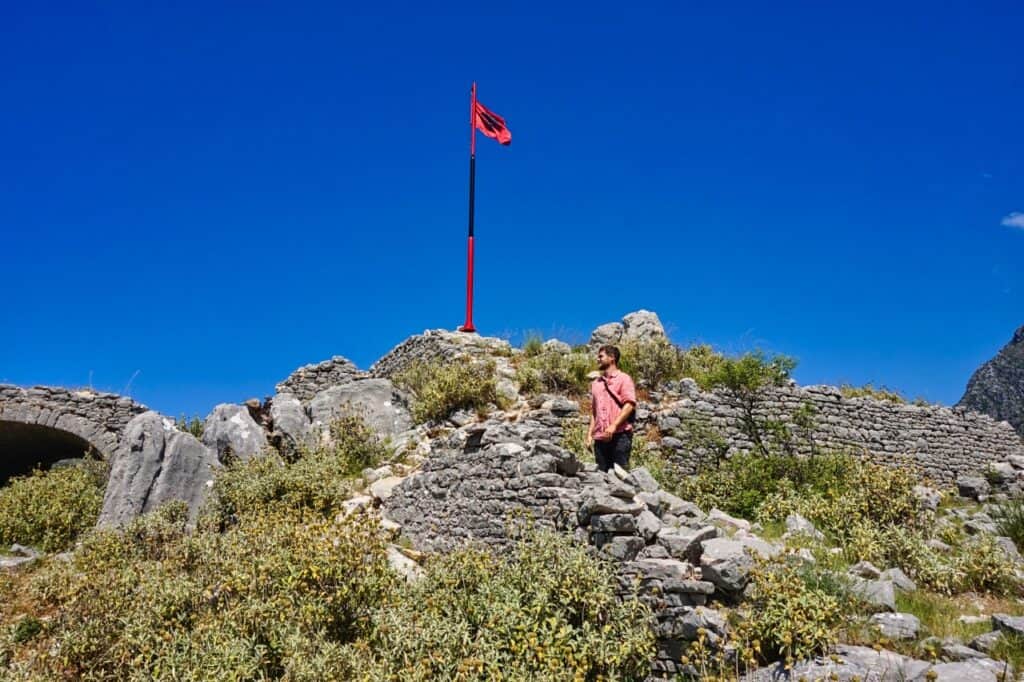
491	125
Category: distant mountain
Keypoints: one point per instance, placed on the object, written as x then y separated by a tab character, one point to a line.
997	387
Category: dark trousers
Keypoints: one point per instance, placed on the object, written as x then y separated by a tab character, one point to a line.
614	451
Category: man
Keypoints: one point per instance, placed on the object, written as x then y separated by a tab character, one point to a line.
612	401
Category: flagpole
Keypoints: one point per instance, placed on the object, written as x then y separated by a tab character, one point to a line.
468	326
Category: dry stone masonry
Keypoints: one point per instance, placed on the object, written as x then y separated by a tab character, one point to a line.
96	418
307	381
944	443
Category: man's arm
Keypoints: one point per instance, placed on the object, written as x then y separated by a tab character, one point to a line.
590	430
624	413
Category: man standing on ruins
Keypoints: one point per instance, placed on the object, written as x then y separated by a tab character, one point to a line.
612	413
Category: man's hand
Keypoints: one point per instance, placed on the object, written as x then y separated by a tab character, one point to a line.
609	431
590	440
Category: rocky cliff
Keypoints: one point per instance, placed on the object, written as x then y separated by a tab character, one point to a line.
997	387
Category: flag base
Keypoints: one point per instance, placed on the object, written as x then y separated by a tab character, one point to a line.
467	328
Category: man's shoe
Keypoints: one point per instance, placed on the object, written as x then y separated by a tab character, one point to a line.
620	472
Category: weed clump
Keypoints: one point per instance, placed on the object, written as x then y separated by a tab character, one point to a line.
441	389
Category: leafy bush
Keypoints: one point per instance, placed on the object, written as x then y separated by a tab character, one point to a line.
552	372
701	363
193	426
650	363
318	481
50	509
546	612
268	598
869	391
440	389
790	613
744	381
1009	518
789	616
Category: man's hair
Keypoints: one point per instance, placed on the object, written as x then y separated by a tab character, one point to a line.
613	351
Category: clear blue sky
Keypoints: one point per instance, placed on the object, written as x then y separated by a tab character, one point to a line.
197	198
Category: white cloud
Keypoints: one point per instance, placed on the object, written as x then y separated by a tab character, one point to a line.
1015	219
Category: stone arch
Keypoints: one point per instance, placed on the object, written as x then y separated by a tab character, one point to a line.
41	425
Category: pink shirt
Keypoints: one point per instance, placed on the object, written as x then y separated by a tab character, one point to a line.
604	407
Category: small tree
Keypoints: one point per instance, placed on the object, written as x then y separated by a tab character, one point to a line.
744	380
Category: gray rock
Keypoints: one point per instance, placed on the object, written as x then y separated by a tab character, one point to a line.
383	488
725	563
987	641
1013	625
968	671
606	504
798	525
648	525
623	547
973	487
376	400
875	592
897	625
865	569
685	545
614	523
155	464
701	617
955	651
643	325
1001	472
882	664
230	428
721	518
899	579
928	497
1009	548
292	429
556	346
641	479
610	333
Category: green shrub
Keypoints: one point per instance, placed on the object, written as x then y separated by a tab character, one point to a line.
441	389
701	363
546	612
789	615
50	509
869	391
744	381
1009	518
318	481
268	598
193	426
650	363
552	372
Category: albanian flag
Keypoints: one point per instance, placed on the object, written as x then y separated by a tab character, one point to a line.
490	124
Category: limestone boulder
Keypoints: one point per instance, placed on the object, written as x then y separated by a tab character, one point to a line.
643	325
231	429
292	428
376	400
155	464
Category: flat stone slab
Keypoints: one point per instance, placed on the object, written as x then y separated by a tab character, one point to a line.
897	625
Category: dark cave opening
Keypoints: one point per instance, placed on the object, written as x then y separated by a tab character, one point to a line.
24	447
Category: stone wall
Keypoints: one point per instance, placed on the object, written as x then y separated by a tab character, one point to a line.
96	418
439	344
475	478
307	381
944	442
